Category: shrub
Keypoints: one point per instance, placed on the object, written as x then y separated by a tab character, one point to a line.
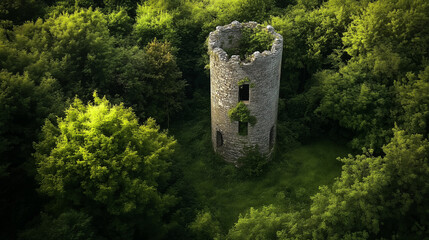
242	114
253	163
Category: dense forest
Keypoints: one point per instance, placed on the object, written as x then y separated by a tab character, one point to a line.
105	122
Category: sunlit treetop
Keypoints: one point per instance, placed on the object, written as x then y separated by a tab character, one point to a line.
99	153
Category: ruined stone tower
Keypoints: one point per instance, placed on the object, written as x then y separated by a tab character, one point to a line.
254	82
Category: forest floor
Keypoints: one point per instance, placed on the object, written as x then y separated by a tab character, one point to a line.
290	178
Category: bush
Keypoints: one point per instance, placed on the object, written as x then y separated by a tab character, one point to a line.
253	163
242	114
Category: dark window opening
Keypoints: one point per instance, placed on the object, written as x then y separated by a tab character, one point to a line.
272	137
243	128
243	92
219	139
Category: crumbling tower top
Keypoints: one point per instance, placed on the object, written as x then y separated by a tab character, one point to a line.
229	36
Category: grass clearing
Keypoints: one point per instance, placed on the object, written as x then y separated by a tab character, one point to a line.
289	179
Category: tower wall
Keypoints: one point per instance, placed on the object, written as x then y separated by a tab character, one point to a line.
263	71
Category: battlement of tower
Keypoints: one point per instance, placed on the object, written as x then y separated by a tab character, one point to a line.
229	35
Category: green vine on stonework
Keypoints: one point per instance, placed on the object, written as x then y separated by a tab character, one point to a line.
242	114
243	81
246	80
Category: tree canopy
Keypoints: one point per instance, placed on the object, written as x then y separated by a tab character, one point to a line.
77	166
99	156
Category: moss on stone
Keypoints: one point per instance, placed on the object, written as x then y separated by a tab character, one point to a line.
246	80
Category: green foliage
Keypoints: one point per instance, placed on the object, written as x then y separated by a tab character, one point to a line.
375	197
245	80
20	11
163	73
205	226
253	163
289	181
154	23
361	95
119	22
398	25
73	48
376	194
414	98
100	156
255	39
71	225
78	51
24	105
258	224
349	67
226	11
241	113
149	80
129	6
358	104
252	40
322	28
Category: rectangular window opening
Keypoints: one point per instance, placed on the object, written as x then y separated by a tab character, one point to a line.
243	128
219	139
243	92
272	137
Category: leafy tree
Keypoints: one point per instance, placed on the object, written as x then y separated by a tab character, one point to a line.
375	197
129	6
205	226
100	159
149	80
381	195
258	224
399	25
361	95
74	48
322	29
19	11
152	22
164	75
312	42
414	98
119	22
240	10
357	101
70	225
24	105
78	51
83	47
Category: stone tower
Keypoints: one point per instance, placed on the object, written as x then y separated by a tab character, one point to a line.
254	82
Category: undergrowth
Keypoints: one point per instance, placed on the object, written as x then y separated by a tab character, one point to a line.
287	181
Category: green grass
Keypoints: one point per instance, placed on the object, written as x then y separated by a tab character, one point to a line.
292	177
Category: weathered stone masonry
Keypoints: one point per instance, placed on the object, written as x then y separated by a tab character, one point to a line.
263	70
